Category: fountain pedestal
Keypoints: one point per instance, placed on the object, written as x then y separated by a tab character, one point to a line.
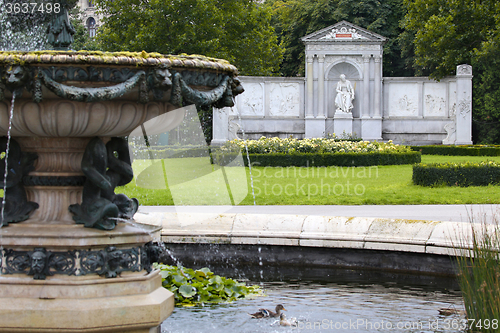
74	298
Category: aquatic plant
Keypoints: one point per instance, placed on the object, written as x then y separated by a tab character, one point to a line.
479	277
195	287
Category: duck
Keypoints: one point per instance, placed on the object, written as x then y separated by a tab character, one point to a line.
450	311
284	322
265	313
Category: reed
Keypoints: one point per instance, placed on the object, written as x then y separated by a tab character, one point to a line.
479	277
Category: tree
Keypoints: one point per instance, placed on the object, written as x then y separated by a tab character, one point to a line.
449	32
294	19
82	40
452	32
237	30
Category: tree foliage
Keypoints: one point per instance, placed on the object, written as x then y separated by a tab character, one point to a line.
237	30
82	40
294	19
452	32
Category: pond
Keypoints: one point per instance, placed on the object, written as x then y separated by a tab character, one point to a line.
333	301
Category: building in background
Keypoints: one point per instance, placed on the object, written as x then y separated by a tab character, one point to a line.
90	18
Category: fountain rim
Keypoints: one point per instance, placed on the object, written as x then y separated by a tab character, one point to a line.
138	59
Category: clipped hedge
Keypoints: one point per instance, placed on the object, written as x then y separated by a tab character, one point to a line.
296	159
457	174
330	159
162	153
465	150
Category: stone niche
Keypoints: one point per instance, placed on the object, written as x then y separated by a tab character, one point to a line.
344	48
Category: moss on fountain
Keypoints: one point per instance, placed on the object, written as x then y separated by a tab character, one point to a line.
114	58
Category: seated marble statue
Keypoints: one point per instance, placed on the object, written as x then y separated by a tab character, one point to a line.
345	95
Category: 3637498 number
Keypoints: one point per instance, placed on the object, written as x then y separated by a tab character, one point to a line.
32	7
471	324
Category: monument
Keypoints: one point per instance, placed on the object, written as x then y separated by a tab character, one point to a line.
411	110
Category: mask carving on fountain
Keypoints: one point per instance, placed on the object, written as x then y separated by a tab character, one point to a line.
159	81
39	266
150	253
14	78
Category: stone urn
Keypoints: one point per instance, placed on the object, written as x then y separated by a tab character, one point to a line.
72	258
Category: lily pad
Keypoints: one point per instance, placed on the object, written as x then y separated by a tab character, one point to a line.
187	290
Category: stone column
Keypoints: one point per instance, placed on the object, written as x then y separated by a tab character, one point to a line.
315	127
310	86
378	85
321	86
365	106
463	116
371	127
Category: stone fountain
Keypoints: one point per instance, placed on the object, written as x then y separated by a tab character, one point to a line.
72	258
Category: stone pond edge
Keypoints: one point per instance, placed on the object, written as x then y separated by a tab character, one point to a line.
403	235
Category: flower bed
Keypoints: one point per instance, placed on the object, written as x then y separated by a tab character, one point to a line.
457	174
321	152
316	145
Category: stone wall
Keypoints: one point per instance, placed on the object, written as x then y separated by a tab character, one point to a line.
416	109
270	106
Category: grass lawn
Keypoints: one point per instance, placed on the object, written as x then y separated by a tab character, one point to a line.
377	185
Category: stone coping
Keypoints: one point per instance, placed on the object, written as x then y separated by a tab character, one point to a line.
417	236
75	236
114	58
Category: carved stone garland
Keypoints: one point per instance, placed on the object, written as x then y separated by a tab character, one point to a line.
156	80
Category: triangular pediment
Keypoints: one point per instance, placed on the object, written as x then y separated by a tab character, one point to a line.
343	32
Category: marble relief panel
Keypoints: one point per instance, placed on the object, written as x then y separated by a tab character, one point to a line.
403	100
284	99
452	99
435	99
252	103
